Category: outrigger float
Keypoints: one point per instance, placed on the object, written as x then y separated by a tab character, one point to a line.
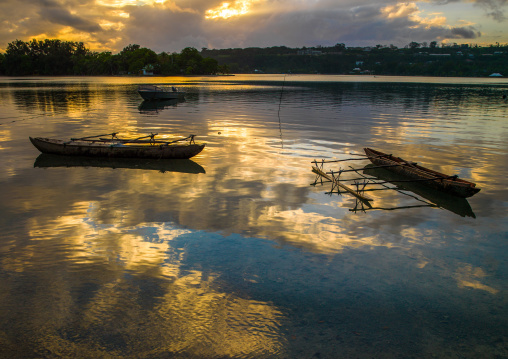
115	147
408	172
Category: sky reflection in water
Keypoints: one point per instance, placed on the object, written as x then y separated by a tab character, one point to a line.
234	253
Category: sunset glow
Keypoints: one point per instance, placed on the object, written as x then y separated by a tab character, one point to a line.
263	23
122	3
227	10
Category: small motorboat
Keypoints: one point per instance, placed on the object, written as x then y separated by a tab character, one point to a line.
153	92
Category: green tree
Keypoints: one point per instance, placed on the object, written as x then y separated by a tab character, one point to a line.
209	66
414	45
134	57
17	59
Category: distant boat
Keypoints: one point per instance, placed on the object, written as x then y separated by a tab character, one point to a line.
96	146
153	92
428	177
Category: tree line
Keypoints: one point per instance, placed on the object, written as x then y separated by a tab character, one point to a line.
415	59
55	57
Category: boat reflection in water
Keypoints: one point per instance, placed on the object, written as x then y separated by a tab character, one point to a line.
162	165
149	107
436	198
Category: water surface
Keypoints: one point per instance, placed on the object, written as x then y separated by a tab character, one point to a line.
234	254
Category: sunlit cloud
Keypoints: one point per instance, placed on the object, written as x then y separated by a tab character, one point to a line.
111	25
413	13
400	10
122	3
108	25
227	9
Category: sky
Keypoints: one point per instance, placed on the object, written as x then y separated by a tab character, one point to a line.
171	25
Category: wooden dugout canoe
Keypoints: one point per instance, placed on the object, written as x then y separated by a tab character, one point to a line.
428	177
116	149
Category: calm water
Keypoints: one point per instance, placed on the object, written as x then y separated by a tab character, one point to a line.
234	254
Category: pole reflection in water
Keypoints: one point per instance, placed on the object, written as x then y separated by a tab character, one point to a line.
232	254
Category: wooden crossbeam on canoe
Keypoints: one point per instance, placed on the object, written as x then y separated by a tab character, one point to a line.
337	183
90	138
134	140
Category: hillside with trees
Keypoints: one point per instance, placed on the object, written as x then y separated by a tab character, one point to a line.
56	57
413	60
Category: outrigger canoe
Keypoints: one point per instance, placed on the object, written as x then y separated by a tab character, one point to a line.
434	179
114	147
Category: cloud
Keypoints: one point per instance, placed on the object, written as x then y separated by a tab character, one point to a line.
493	8
464	32
55	13
174	24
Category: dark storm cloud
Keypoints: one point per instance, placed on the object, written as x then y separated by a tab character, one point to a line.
164	29
464	32
55	13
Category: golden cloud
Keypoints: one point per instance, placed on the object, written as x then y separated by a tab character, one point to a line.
227	10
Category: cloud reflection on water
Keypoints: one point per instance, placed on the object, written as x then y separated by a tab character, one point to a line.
118	249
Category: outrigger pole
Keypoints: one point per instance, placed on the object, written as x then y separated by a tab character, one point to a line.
350	159
337	183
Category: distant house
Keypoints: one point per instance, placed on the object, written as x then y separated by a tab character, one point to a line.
309	52
496	74
147	70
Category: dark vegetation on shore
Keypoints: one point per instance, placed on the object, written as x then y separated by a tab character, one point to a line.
56	57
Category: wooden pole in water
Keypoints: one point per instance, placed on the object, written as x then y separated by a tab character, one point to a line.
336	182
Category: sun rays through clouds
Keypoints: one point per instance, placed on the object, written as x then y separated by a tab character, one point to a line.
230	9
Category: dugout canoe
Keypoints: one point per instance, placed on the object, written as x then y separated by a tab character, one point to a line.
118	148
428	177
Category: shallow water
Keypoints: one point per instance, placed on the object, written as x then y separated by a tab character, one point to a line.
234	254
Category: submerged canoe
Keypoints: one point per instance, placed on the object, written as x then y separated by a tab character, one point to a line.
116	149
428	177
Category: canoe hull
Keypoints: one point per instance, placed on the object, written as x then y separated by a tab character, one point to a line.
455	186
112	150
